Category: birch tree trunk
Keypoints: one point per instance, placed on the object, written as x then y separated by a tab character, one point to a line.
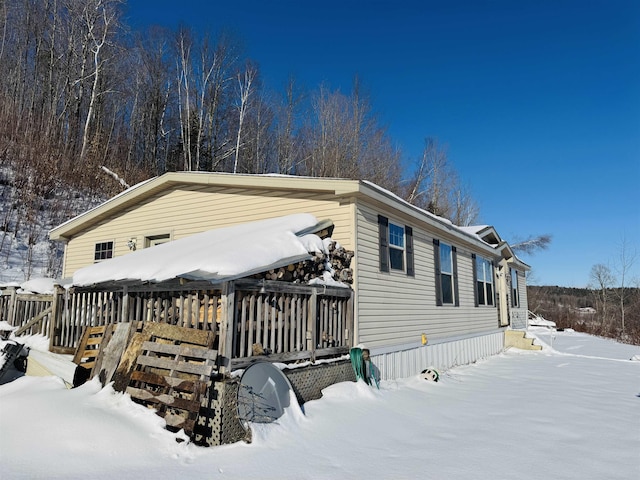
245	88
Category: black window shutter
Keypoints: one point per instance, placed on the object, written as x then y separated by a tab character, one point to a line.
454	256
436	263
475	279
408	232
383	233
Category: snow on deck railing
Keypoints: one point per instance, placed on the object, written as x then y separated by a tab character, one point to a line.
280	321
30	313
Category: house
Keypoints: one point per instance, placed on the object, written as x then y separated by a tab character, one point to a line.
426	292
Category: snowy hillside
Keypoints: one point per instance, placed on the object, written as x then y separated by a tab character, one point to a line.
566	412
25	221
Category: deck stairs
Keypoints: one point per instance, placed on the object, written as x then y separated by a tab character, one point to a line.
519	339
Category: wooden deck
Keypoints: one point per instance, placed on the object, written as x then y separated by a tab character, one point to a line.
247	319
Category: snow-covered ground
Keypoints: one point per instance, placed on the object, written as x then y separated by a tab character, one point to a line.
571	412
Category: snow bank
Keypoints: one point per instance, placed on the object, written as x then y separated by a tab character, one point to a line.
563	413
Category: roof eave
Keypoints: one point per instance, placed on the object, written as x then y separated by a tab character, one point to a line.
132	195
367	189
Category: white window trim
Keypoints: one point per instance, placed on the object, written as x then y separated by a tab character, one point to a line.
450	273
113	250
402	249
483	263
515	289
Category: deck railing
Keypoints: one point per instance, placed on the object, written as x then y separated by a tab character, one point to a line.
251	318
290	322
79	308
29	313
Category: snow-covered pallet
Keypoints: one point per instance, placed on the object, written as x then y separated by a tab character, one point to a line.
173	379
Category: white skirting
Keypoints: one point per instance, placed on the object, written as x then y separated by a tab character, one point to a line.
441	356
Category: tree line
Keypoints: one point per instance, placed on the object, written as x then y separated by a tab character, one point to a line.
609	306
80	90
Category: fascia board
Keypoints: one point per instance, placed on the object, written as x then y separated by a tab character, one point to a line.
134	194
65	230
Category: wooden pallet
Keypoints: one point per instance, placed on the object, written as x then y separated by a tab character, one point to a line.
160	333
172	379
89	347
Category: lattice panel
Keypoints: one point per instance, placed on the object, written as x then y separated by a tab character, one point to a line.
308	382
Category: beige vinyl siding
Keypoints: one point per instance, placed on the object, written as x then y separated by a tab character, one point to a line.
395	309
182	212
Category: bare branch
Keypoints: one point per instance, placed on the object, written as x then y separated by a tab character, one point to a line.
115	176
532	244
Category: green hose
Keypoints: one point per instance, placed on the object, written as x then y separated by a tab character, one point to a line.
361	367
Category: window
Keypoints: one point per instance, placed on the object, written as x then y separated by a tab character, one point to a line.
103	251
484	281
515	297
396	246
153	240
446	263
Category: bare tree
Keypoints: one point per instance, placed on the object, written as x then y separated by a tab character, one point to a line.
342	137
285	136
183	68
152	94
100	18
531	244
601	281
3	12
246	81
465	209
435	186
622	265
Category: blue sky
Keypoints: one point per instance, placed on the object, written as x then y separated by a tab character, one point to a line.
538	102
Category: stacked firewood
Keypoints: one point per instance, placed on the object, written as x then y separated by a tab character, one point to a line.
337	262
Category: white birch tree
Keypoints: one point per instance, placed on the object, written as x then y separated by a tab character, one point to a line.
100	19
246	81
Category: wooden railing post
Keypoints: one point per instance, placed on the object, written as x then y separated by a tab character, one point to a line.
124	316
12	306
312	318
55	316
227	326
350	333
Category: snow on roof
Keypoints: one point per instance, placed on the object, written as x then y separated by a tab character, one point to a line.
35	285
474	229
214	255
38	285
